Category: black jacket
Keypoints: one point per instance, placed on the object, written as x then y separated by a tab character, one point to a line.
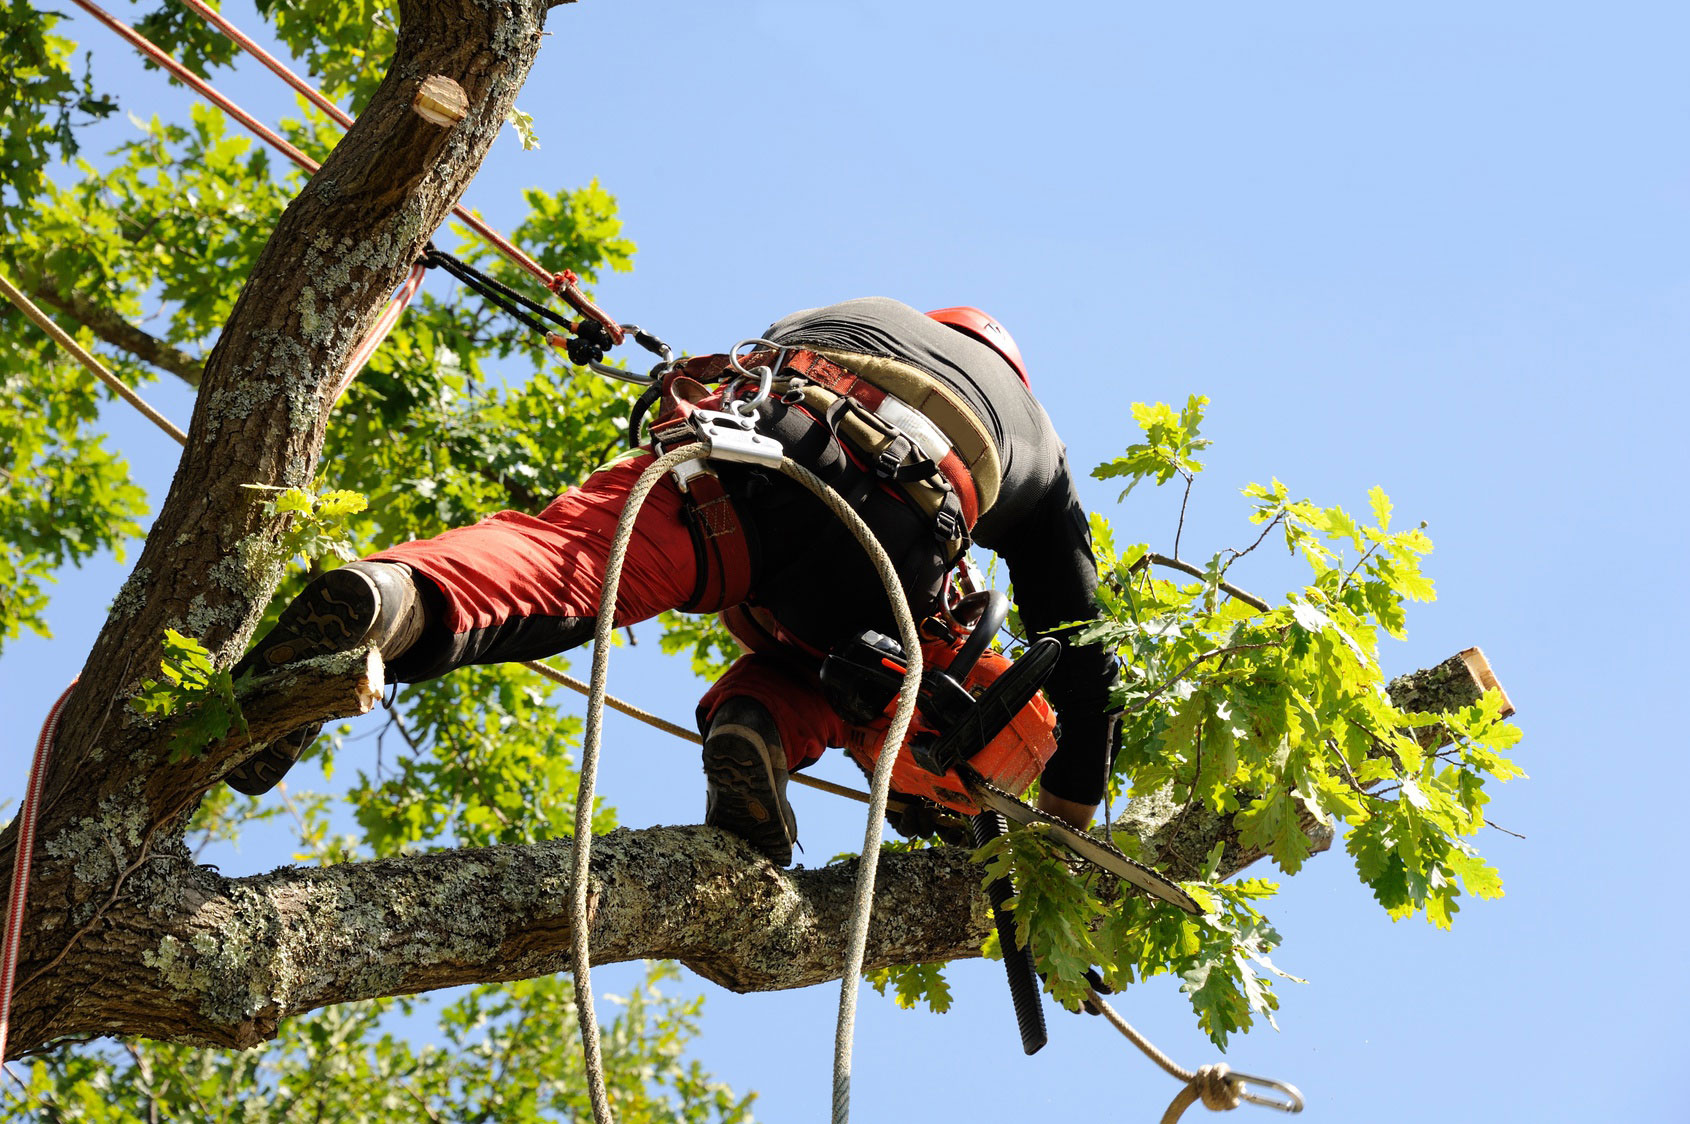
1036	523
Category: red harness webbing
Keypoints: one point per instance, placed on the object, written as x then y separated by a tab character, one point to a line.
716	524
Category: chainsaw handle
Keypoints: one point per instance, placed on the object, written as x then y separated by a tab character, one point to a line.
1017	958
993	710
994	612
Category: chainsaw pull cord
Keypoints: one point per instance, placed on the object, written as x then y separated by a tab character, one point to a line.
1218	1087
19	892
580	867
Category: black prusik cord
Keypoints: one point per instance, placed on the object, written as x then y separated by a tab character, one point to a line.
520	307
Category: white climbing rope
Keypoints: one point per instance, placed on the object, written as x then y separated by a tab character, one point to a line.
1217	1086
580	865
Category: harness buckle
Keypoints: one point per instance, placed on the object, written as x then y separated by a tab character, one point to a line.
947	526
734	437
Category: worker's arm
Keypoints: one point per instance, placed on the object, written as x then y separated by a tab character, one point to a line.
1068	811
1055	577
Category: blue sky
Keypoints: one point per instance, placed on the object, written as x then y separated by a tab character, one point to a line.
1442	250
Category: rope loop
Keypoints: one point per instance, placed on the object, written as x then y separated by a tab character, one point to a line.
1218	1091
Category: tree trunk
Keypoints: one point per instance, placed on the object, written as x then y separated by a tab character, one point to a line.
113	801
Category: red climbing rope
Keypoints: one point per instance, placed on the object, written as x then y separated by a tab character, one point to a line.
197	84
383	325
565	283
20	863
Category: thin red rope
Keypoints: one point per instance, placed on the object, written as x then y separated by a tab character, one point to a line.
19	894
199	85
379	330
315	97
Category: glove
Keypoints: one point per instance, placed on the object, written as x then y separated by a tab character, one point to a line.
921	819
1095	979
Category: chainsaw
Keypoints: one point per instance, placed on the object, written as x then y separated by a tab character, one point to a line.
982	732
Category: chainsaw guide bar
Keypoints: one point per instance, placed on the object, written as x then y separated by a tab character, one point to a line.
1094	850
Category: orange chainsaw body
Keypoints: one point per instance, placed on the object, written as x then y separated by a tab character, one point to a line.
1011	761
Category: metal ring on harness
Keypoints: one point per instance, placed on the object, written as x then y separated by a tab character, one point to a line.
763	373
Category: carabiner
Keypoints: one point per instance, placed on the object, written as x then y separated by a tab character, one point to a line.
764	374
1292	1100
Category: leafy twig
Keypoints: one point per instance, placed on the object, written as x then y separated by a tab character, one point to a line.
1179	530
1237	554
1228	588
1151	697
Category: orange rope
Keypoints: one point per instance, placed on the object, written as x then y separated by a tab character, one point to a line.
20	863
493	238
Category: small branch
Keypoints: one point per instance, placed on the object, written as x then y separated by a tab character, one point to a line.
1227	588
1237	554
342	685
113	328
1360	562
1185	499
1504	830
422	1104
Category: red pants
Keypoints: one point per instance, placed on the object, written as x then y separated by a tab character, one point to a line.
515	587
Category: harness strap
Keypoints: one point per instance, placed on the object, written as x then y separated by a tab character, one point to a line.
829	375
719	538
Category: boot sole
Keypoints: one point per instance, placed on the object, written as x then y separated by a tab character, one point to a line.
335	614
744	794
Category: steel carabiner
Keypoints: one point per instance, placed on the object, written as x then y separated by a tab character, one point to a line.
1290	1101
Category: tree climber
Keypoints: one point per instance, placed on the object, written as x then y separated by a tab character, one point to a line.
925	423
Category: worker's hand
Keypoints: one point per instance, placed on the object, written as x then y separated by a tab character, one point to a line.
922	819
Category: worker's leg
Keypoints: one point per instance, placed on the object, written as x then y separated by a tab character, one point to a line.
764	719
510	587
516	587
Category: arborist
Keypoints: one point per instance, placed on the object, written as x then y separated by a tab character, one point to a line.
926	423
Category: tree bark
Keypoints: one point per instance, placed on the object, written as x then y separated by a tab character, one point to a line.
113	800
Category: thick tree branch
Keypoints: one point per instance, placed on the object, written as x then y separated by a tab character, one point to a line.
222	960
183	952
111	327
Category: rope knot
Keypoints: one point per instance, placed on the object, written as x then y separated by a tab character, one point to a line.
1219	1092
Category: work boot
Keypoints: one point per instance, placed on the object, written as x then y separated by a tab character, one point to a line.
361	603
746	770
